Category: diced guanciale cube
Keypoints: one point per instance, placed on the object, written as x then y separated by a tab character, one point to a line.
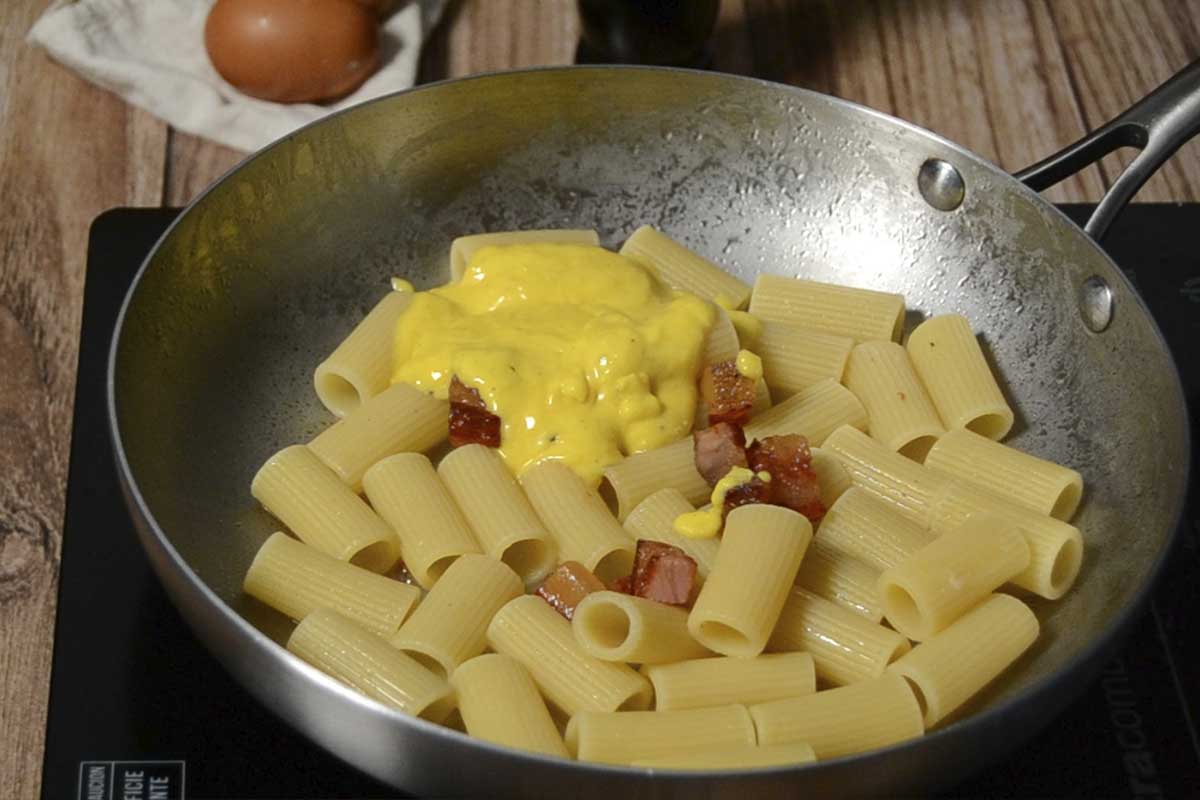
719	448
470	420
793	482
754	490
564	588
727	394
663	573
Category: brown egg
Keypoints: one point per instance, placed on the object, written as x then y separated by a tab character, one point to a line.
293	51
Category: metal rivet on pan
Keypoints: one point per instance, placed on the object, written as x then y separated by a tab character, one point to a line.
1096	303
941	184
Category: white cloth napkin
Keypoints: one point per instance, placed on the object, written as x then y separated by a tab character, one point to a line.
151	53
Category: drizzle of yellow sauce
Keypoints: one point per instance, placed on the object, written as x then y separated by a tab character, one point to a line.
401	285
706	523
583	354
749	365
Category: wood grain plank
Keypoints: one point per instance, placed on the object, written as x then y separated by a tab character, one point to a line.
70	151
510	34
1116	53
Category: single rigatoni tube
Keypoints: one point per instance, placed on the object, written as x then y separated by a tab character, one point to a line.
760	552
399	419
954	572
722	342
849	719
530	631
406	492
762	398
449	626
500	703
1055	547
494	505
832	477
814	412
323	512
795	357
845	647
951	667
861	314
613	626
901	414
869	529
682	269
358	658
622	737
1029	481
717	681
654	519
631	480
579	520
743	757
951	364
361	366
296	580
464	247
901	483
841	578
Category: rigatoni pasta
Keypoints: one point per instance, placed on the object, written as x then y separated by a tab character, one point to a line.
733	615
682	269
721	680
849	719
654	519
950	361
633	479
450	624
494	505
831	475
323	512
361	366
406	491
831	573
901	414
614	626
861	314
864	526
464	247
1035	483
722	342
903	484
398	419
814	412
741	757
623	737
356	657
530	631
499	702
578	519
795	357
296	580
846	647
925	593
953	665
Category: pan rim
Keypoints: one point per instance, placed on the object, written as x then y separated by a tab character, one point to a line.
152	534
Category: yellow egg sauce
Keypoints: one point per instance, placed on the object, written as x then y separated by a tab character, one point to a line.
706	523
748	326
749	365
583	354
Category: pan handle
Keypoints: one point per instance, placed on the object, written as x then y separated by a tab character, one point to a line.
1158	125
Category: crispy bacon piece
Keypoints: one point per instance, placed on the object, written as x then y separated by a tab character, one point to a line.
727	393
470	421
793	482
753	491
564	588
623	584
718	449
663	573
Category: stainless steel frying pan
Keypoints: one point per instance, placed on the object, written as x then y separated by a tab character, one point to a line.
212	360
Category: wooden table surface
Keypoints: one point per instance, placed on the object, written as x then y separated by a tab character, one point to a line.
1011	79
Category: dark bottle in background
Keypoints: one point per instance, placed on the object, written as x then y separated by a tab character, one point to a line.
659	32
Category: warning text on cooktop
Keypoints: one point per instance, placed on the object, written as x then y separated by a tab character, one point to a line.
131	780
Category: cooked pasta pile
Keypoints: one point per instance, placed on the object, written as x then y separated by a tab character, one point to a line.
874	539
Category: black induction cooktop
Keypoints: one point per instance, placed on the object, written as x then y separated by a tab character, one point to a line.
140	711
